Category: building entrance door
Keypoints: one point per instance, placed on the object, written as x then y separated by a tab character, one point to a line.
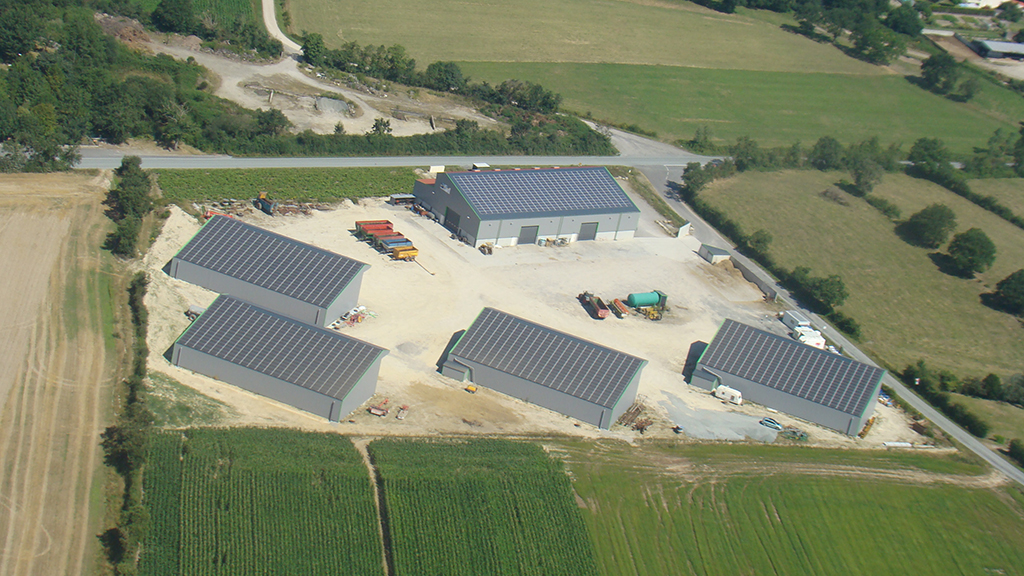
528	234
588	231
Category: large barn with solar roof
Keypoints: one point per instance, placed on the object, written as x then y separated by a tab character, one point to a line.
313	369
275	272
558	371
791	377
510	207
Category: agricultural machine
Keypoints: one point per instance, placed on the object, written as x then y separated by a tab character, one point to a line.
380	410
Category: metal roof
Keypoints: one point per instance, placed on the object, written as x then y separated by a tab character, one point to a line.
271	261
314	358
563	191
1004	47
788	366
548	357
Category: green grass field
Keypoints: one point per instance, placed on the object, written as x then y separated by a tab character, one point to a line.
480	507
258	502
1009	191
656	510
1006	420
672	66
774	108
299	184
671	33
908	309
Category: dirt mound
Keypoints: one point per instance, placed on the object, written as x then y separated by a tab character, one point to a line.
124	29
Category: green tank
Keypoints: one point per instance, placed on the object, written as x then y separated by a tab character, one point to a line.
643	299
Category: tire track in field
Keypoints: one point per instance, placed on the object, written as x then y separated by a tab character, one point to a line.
51	424
378	497
43	433
19	476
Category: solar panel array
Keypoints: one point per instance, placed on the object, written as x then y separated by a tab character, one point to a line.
547	357
542	191
786	365
313	358
271	261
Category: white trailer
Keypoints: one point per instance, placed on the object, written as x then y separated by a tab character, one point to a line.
793	319
728	394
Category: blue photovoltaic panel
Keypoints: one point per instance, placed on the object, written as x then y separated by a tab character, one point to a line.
251	337
547	357
271	261
549	191
786	365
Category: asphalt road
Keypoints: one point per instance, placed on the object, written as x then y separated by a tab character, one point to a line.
662	164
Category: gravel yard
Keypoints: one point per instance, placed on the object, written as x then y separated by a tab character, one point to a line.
418	307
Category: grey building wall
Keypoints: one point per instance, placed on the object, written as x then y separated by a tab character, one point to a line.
783	402
347	300
462	369
268	299
610	226
322	405
434	198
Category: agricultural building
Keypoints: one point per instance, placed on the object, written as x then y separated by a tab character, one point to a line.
313	369
996	49
272	271
510	207
780	373
558	371
713	255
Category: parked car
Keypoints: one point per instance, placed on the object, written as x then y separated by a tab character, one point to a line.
771	423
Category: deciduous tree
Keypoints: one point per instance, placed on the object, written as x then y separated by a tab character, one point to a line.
931	226
972	251
1010	292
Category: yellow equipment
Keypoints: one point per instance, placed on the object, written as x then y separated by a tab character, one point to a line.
406	253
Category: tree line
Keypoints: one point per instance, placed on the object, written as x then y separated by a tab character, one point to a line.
392	63
64	81
126	443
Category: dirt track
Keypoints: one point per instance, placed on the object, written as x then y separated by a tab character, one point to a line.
53	371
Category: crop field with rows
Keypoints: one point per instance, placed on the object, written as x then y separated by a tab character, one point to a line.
480	507
258	502
299	184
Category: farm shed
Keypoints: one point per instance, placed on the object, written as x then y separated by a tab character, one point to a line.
995	49
272	271
558	371
510	207
772	370
313	369
712	254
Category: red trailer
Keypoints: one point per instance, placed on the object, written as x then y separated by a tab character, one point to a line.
371	228
360	224
372	234
594	305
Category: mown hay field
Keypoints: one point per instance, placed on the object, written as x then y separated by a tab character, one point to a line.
670	33
907	308
671	67
676	509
